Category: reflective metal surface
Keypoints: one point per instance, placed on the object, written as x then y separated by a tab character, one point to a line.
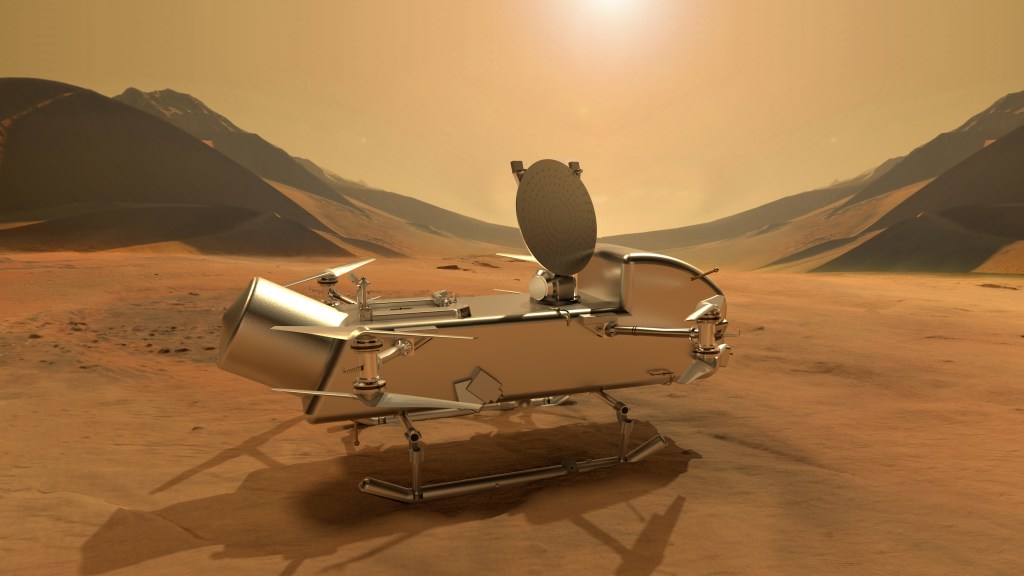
599	318
250	348
556	217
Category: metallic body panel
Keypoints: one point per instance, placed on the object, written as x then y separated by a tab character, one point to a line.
249	348
531	349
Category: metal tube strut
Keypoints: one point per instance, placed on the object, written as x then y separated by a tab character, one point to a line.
419	492
485	483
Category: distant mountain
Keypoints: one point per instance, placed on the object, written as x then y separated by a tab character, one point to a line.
80	171
74	146
763	218
208	229
933	242
250	150
327	177
948	149
273	163
955	223
66	151
955	204
418	213
992	176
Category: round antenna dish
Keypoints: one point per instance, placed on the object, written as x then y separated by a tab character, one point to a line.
556	217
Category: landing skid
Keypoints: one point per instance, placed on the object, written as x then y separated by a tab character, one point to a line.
419	492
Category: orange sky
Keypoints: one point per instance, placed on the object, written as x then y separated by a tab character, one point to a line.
679	111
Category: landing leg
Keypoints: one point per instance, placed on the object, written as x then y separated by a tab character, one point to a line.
418	492
625	424
415	455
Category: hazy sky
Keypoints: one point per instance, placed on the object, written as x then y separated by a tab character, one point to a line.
679	111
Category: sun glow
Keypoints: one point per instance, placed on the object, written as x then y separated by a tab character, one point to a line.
610	5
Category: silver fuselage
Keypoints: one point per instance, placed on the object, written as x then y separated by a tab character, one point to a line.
523	348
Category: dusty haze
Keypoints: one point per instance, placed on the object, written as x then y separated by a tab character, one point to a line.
708	107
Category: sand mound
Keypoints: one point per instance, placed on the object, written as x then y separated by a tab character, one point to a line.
20	95
84	149
210	229
250	150
800	244
993	176
928	243
949	149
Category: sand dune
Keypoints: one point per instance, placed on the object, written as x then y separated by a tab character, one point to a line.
206	229
957	223
928	243
85	149
83	168
868	424
92	174
250	150
800	244
972	173
1008	260
773	214
992	177
272	163
949	149
373	231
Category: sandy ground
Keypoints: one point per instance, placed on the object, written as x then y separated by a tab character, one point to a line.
869	424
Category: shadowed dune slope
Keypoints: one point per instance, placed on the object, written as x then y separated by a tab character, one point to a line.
250	150
956	223
209	229
992	176
944	242
948	149
82	149
377	232
432	218
272	163
765	218
802	243
96	174
418	213
22	94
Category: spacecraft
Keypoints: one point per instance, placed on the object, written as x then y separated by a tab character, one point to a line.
597	318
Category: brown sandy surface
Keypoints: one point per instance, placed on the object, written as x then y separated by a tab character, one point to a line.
869	424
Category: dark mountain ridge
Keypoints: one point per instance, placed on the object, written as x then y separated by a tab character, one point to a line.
992	176
270	162
67	151
250	150
956	222
766	216
950	148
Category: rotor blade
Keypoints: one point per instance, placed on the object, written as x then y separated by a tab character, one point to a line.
389	400
706	305
520	257
322	331
696	370
337	271
508	291
316	393
341	333
400	332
